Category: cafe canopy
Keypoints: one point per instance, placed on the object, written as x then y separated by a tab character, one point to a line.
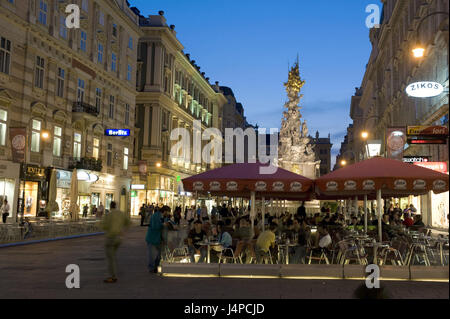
243	179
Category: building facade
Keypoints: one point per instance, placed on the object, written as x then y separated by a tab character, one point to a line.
382	102
73	84
322	147
172	93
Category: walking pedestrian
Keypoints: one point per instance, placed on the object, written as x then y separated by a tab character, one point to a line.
100	211
113	224
153	238
5	211
85	211
142	213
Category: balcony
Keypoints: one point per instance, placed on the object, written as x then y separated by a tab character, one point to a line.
81	107
90	164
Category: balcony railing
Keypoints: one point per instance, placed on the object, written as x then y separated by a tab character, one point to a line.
81	107
86	163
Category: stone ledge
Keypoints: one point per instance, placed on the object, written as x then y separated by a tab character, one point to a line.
429	273
250	270
354	272
190	269
390	272
312	271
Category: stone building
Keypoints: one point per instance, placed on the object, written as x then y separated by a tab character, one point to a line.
74	84
322	147
172	93
382	102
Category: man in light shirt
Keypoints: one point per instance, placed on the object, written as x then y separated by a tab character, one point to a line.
325	238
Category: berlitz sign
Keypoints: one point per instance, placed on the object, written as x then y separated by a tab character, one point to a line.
424	89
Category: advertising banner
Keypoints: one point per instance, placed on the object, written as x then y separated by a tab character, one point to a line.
395	142
18	137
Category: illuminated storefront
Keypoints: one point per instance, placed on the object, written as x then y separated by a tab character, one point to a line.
9	185
35	190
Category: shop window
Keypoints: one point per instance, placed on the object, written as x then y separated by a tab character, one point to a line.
77	146
36	136
109	156
5	55
57	138
3	119
7	188
125	158
96	148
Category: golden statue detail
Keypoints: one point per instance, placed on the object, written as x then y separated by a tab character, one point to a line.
294	82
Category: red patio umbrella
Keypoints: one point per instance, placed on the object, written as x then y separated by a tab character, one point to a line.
379	177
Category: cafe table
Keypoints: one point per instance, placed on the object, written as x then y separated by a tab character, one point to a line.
375	247
285	246
208	244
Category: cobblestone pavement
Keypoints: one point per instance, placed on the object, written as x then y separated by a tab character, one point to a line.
38	271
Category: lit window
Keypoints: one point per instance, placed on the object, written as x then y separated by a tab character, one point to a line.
83	41
96	148
5	55
80	91
43	12
125	158
35	136
60	84
39	76
100	53
3	119
57	132
77	146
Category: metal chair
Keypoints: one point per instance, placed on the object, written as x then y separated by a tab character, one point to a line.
227	254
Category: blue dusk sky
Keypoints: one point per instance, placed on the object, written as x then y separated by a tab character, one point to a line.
248	45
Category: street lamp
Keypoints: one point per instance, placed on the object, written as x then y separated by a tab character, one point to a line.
158	165
343	162
365	135
419	48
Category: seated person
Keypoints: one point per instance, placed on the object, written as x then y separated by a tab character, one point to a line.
265	241
354	222
408	221
418	221
245	235
289	230
304	234
228	227
195	236
324	240
223	237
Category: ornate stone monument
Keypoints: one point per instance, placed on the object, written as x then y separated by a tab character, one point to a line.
296	152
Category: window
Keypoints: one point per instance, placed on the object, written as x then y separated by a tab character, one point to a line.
130	43
3	119
43	12
80	90
111	106
35	136
57	137
96	148
130	69
5	55
39	80
125	158
113	62
60	83
114	30
98	99
109	156
11	1
77	146
100	53
83	41
62	27
84	5
127	114
101	18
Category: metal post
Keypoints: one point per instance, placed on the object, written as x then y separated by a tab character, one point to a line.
379	210
263	211
356	205
252	210
365	213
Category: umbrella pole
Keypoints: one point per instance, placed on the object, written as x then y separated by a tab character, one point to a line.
379	209
252	210
365	213
263	211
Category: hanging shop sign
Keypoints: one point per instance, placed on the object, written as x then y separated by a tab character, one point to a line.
395	142
428	130
18	141
415	159
117	132
137	186
373	148
424	89
426	140
435	166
